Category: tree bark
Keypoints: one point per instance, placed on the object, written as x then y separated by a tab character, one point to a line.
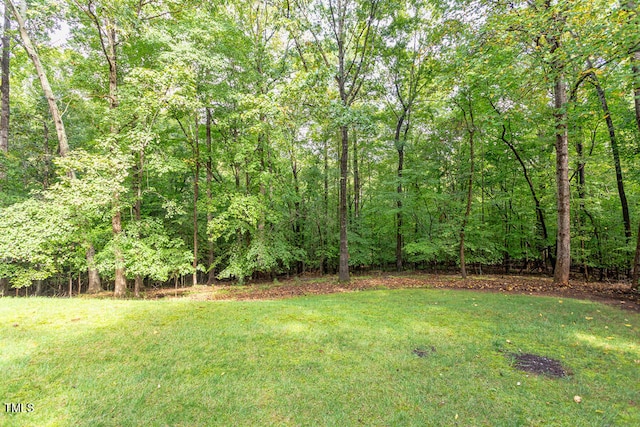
581	210
343	269
5	86
563	240
324	231
196	193
635	65
636	264
209	165
467	212
616	155
356	179
95	285
297	214
399	219
120	286
137	210
44	81
47	156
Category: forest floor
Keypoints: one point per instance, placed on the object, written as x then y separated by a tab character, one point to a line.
615	294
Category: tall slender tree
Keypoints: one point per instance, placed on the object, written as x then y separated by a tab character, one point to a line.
63	143
4	84
107	29
470	127
351	26
4	106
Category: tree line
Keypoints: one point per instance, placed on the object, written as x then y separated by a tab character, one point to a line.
157	141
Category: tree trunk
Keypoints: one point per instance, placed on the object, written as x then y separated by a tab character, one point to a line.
343	272
325	193
635	64
470	124
616	156
635	61
138	172
112	60
542	226
323	231
44	81
47	156
4	85
399	219
581	210
563	241
209	165
636	265
467	212
95	285
196	194
297	215
120	286
356	180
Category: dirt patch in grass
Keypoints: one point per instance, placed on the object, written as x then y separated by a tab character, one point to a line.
538	365
422	352
617	294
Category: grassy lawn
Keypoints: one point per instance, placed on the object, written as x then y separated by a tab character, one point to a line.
341	359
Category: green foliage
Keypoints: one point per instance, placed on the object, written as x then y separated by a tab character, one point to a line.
148	252
248	96
253	245
35	242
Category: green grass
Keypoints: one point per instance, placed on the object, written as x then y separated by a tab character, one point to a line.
341	359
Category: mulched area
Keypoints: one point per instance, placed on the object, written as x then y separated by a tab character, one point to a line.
617	294
538	365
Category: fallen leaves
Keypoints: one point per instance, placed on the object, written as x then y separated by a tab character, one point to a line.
617	294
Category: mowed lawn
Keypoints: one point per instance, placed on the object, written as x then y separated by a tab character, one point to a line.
340	359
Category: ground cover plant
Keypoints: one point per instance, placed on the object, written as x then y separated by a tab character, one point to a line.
383	357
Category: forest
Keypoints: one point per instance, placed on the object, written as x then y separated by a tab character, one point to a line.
151	142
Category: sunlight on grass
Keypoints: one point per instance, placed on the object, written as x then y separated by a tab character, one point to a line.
611	344
342	359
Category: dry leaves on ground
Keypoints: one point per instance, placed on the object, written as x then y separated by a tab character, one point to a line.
618	294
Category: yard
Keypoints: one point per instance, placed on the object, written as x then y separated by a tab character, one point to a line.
380	357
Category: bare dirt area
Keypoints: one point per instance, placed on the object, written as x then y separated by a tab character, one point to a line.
617	294
538	365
